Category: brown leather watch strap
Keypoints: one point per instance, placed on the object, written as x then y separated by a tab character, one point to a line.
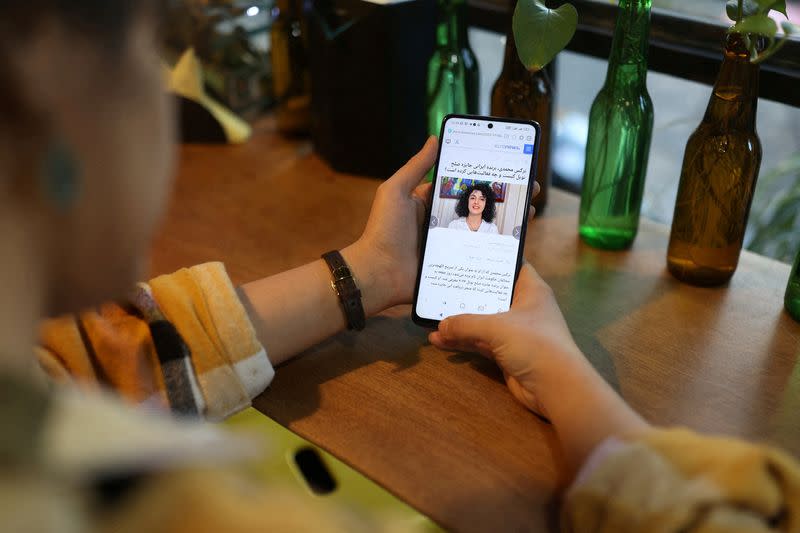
347	290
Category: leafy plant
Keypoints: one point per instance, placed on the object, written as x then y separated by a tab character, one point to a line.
773	230
540	32
775	227
751	18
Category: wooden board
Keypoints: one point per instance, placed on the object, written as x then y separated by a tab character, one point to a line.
440	429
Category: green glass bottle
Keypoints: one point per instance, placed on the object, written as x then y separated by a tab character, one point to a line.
791	300
453	77
620	129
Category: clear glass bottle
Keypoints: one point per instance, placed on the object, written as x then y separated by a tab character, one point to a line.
520	93
718	178
620	130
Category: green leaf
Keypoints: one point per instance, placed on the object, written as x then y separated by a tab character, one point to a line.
541	33
732	9
777	5
749	7
759	24
780	7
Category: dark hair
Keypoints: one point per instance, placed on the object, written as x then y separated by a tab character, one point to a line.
489	212
102	20
104	23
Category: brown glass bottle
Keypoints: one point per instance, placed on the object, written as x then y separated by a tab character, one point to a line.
519	93
720	168
290	71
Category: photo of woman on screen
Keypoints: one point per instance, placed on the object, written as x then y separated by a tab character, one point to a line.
476	210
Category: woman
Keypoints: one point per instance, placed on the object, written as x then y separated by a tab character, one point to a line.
476	208
85	165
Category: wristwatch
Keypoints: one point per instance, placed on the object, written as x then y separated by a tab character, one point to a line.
345	287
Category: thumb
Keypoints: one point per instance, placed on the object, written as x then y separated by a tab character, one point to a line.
412	172
466	332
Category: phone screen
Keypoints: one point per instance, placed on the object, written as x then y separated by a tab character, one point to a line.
472	248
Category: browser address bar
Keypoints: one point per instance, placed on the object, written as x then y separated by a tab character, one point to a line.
478	133
490	146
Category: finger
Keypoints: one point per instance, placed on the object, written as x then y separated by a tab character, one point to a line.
467	330
524	396
535	191
531	214
479	347
439	341
422	193
412	172
529	282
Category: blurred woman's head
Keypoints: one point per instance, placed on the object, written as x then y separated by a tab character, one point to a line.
477	199
86	140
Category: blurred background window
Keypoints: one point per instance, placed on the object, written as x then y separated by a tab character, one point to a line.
686	37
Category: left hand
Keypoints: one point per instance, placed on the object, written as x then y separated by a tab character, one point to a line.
385	258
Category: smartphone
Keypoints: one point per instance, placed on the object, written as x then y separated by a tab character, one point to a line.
473	242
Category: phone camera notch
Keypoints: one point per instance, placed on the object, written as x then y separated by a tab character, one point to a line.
491	125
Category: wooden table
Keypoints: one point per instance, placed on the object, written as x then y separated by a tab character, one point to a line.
438	429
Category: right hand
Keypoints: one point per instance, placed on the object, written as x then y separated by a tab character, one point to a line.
531	343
